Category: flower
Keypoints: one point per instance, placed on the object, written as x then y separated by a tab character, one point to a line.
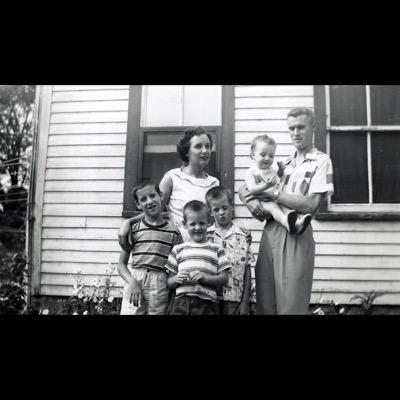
45	312
317	310
110	299
75	292
85	312
75	313
341	311
322	300
101	300
337	303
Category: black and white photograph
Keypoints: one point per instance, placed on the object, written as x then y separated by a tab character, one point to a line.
199	200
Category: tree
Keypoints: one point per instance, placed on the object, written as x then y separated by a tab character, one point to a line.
16	119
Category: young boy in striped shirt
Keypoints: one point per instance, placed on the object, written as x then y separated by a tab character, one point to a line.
146	290
197	267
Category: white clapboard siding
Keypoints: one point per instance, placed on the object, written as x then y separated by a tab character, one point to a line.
84	183
87	139
90	95
86	162
91	106
101	127
66	88
79	233
88	117
82	222
85	186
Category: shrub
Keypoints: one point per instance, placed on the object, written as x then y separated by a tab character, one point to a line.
97	299
13	280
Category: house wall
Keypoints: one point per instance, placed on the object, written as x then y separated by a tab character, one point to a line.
84	180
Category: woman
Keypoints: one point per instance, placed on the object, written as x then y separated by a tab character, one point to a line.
181	185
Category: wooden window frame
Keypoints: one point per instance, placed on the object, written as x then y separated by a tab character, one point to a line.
134	143
323	128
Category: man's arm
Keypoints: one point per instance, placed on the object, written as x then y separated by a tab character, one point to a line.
303	204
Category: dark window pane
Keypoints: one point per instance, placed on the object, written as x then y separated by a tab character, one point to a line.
385	104
348	105
385	167
350	167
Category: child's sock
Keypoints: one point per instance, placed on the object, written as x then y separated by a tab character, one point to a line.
289	221
302	223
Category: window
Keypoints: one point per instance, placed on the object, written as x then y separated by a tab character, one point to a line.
359	127
159	114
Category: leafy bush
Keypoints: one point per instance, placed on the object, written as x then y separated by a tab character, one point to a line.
97	299
367	300
13	276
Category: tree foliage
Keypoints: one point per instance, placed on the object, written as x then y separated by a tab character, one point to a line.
16	119
16	131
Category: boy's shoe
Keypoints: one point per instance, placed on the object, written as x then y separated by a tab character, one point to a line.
302	223
289	221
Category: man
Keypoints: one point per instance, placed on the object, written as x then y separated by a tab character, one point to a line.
285	264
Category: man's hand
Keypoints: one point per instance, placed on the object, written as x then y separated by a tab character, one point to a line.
125	236
257	210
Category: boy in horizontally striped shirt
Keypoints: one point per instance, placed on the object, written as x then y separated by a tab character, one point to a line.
146	290
197	267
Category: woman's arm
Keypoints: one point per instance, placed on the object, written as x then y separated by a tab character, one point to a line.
125	233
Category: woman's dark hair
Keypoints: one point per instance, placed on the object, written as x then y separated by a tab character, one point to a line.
183	144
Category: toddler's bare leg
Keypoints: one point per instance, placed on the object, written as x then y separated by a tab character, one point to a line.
288	219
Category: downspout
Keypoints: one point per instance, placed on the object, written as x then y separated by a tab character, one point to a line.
32	189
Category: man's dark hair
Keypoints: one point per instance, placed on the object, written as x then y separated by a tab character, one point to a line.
296	112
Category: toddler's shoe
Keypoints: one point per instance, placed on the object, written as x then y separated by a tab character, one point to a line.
289	221
302	223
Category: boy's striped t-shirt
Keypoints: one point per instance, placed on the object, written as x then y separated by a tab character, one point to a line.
152	244
208	258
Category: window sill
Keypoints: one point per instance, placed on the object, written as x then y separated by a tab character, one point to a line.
357	216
